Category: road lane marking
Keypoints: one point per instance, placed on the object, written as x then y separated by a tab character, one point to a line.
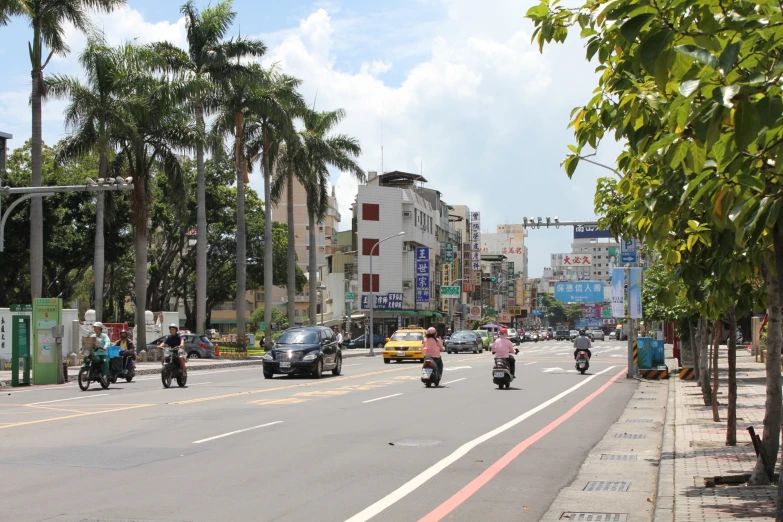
459	368
27	423
381	398
465	493
237	431
528	364
457	380
199	384
420	479
354	364
70	399
290	400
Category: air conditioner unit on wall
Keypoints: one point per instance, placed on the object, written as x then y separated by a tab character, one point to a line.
407	248
407	284
406	213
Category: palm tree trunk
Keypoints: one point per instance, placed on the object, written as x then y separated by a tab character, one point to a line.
268	242
99	268
772	414
140	248
702	338
731	414
291	284
241	250
716	327
201	228
36	206
313	272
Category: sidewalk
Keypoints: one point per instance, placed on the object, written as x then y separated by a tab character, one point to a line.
150	367
694	448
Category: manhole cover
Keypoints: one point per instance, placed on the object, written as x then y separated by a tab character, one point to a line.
655	399
617	457
595	517
638	420
607	487
417	443
645	408
629	436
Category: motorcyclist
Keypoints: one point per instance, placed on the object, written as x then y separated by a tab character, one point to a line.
433	347
582	344
175	341
102	339
504	349
126	345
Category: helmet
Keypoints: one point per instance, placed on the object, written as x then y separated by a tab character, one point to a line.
98	324
432	331
504	331
582	332
175	326
124	332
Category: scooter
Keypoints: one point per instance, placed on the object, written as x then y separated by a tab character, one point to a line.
122	366
582	362
501	372
95	368
171	368
429	372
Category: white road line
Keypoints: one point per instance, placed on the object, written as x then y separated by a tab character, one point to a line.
381	398
458	368
528	364
237	431
71	399
199	384
457	380
460	452
355	364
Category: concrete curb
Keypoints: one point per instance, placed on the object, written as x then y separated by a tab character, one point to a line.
664	499
217	366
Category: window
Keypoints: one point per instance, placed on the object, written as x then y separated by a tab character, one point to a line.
367	246
371	211
366	283
259	296
320	229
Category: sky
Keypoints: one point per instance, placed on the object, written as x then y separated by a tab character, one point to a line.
451	89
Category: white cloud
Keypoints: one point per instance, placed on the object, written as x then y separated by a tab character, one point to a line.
376	67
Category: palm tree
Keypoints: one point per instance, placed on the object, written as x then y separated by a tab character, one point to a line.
95	112
322	151
277	102
207	59
47	18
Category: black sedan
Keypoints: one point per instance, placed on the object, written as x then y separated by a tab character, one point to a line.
309	350
361	342
464	341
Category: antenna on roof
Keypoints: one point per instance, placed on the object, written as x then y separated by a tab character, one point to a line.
382	136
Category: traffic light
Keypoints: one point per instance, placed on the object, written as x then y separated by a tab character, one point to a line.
492	279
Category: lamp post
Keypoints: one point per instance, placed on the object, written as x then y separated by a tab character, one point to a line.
321	289
451	303
372	297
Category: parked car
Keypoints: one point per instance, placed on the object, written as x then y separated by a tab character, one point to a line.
573	334
464	341
528	335
485	336
513	335
307	350
213	334
361	342
196	346
597	334
562	334
613	335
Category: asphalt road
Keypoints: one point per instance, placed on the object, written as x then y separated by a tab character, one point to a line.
373	443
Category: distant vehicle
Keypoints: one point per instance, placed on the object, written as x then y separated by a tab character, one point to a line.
597	334
361	342
573	334
196	346
484	337
528	335
562	334
405	344
213	334
464	341
613	335
513	335
307	350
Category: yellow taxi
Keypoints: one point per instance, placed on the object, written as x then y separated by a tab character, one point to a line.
405	344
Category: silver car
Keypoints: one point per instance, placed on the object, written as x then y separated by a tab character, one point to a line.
597	334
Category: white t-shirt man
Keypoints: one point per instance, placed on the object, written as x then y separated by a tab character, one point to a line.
339	337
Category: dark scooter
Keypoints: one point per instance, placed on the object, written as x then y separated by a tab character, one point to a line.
123	367
429	372
501	373
95	368
582	361
171	368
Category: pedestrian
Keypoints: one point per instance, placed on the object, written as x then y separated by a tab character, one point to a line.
339	336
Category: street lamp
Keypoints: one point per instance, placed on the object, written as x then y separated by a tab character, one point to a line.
321	288
372	297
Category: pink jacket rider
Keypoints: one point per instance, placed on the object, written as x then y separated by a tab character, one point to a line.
502	347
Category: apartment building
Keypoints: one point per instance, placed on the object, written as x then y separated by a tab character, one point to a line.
509	241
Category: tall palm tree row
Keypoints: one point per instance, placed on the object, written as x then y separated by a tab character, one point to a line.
142	109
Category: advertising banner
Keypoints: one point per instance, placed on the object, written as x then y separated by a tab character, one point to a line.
590	232
635	294
559	260
582	292
618	292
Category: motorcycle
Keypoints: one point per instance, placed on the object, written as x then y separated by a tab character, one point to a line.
122	366
171	368
582	362
501	373
95	368
429	372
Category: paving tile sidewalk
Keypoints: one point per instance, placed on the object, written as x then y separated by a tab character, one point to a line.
695	445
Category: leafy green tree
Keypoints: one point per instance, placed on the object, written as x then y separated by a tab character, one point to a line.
47	19
278	317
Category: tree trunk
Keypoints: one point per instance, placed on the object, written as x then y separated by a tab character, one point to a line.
268	242
140	248
291	284
772	414
241	249
692	330
201	228
703	342
716	327
36	204
313	272
99	268
731	414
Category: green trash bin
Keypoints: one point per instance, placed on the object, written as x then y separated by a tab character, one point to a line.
644	344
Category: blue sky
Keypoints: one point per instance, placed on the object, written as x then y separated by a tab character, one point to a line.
456	85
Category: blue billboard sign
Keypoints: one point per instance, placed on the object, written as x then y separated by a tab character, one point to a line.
590	232
391	301
422	295
628	249
580	292
422	254
422	267
589	323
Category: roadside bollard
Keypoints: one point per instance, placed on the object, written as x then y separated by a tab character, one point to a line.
2	363
73	359
154	355
143	356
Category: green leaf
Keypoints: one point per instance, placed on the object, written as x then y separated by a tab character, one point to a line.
697	155
698	53
653	46
538	11
770	109
728	58
747	124
689	87
728	93
662	70
693	185
678	155
751	182
570	165
630	29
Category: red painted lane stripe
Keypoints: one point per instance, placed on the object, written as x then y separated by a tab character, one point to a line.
465	493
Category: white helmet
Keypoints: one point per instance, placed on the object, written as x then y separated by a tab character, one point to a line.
172	325
98	324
